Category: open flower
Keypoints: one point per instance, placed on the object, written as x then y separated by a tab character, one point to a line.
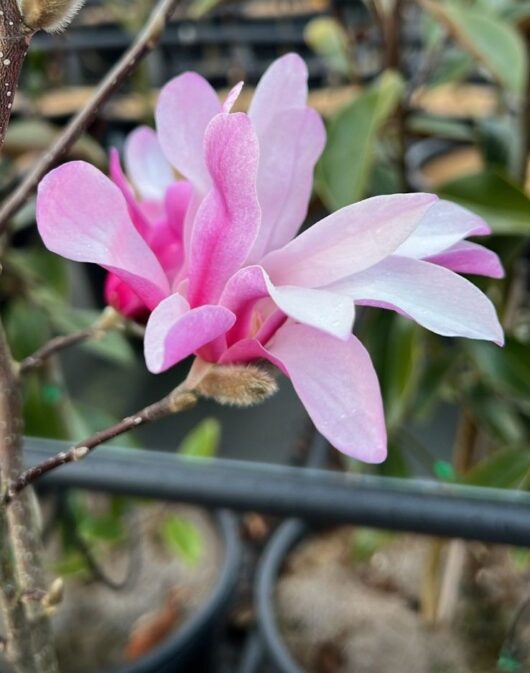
245	289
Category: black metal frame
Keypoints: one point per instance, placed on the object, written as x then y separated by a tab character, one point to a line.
315	495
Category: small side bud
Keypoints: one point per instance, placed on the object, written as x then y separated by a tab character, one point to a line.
237	385
49	15
54	596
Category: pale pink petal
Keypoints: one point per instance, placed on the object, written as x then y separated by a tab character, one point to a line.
327	311
186	106
175	331
177	200
467	257
83	216
433	296
282	87
350	240
227	221
232	97
442	226
338	386
145	163
289	150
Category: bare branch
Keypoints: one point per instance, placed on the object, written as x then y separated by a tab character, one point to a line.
143	44
109	320
178	400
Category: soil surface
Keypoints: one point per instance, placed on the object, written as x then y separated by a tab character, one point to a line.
342	611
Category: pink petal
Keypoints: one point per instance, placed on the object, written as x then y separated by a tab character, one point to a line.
138	216
232	97
350	240
83	216
119	295
289	149
227	221
338	386
146	165
186	106
174	331
282	87
435	297
177	200
327	311
443	225
467	257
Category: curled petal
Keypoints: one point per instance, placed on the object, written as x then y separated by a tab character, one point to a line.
348	241
328	311
146	165
434	297
232	97
467	257
186	106
289	149
282	87
175	331
442	226
83	216
227	220
338	386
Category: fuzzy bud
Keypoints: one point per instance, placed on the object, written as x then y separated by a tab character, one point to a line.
49	15
237	385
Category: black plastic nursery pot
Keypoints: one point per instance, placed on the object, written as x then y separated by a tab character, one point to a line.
283	541
192	646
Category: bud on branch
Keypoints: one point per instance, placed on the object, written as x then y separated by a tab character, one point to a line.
48	15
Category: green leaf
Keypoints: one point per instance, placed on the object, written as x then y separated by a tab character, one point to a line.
203	440
27	328
327	37
36	135
496	138
42	411
402	368
41	266
113	346
495	197
199	8
344	169
439	127
504	469
506	369
497	416
183	538
489	39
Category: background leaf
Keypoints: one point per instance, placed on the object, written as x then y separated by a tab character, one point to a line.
344	169
494	42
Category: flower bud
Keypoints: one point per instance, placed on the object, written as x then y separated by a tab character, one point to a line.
237	385
48	15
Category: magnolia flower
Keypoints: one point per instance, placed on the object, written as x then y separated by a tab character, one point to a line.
157	205
246	288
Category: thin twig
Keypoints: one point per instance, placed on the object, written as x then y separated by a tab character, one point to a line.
109	320
178	400
143	44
